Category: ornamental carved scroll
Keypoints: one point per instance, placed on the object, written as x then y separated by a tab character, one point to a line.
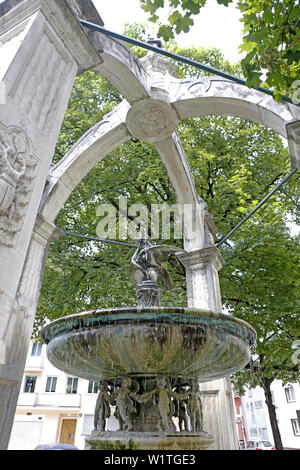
17	170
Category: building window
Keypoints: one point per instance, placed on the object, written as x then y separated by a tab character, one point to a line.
36	349
296	427
93	387
253	417
88	425
290	394
264	434
72	385
258	404
253	432
51	384
29	385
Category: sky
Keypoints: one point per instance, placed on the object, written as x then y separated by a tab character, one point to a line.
215	26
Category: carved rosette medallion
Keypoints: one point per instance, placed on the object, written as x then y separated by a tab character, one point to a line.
151	120
17	170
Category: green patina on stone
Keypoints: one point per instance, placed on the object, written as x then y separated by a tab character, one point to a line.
111	343
173	315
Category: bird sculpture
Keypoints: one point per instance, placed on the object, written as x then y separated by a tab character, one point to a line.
147	267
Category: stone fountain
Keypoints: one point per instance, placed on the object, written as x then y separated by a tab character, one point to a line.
149	361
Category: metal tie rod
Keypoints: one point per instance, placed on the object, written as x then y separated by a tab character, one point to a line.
99	239
177	57
131	245
257	207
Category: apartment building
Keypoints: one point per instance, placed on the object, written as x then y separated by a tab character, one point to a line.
52	406
252	415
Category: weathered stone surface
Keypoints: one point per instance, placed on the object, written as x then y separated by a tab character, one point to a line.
170	341
42	48
149	441
86	11
293	133
214	95
151	120
17	172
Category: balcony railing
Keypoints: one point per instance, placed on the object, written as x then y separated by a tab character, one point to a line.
27	399
60	400
51	400
35	363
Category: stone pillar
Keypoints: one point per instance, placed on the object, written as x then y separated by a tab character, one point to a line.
42	48
19	327
202	280
203	292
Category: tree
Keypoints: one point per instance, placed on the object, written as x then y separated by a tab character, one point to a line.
271	41
234	164
276	325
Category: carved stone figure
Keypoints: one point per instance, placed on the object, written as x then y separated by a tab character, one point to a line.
17	169
164	393
125	407
194	408
180	411
102	409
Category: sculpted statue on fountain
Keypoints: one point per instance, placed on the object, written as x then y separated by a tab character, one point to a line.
181	402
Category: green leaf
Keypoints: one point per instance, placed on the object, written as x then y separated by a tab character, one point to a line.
165	32
224	2
175	17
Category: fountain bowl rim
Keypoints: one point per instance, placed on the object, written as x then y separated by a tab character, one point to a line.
99	317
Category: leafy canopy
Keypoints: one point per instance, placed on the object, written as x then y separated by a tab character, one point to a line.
271	37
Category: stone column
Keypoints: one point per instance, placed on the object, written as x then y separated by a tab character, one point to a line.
203	292
19	327
42	48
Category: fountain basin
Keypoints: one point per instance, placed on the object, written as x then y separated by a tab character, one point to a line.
145	342
149	441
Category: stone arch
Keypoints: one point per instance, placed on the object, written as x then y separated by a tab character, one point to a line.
213	95
173	101
98	142
90	149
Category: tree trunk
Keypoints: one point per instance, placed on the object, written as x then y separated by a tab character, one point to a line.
272	413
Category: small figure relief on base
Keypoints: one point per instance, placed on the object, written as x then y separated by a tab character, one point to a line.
194	408
131	399
102	409
124	401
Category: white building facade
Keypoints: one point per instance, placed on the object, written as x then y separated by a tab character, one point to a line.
256	417
52	407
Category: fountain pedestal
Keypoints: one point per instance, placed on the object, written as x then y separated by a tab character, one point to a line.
144	408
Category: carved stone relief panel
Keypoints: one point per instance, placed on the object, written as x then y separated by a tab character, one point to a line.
151	120
18	168
37	90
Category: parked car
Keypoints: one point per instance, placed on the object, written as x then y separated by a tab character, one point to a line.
259	445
